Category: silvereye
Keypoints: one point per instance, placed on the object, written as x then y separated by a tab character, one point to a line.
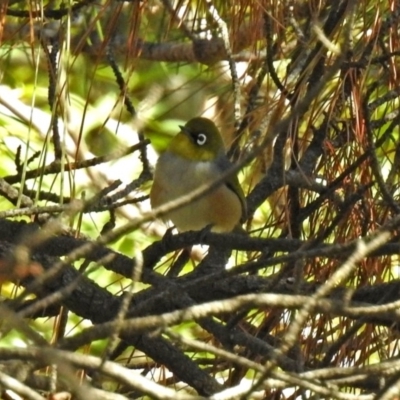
194	157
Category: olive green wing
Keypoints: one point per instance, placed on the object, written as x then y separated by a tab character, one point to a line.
233	184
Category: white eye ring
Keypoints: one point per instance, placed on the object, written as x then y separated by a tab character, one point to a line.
201	139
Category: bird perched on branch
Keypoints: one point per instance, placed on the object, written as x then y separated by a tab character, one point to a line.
194	157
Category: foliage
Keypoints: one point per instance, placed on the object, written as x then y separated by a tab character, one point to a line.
99	301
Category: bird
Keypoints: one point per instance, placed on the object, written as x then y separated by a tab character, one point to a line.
194	157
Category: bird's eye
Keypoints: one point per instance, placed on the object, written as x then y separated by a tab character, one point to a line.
201	139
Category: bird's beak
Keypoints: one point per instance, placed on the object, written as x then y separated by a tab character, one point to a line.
184	129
